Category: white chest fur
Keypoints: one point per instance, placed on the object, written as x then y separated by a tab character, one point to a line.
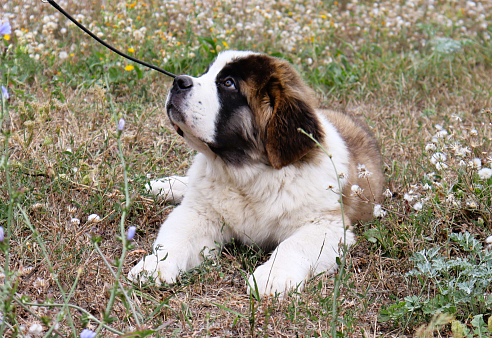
263	205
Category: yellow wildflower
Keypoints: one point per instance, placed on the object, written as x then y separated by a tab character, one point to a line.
129	68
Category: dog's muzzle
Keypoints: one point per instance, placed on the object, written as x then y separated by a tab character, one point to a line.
181	86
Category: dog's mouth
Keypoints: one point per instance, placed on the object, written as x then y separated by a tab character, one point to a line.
175	114
178	129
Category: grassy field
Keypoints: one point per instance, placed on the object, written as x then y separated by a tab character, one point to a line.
418	72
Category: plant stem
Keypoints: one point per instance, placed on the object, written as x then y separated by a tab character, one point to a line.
6	287
124	241
50	265
122	289
339	275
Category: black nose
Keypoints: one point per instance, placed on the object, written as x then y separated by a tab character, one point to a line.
183	82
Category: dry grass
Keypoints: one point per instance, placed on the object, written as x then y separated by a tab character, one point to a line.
64	164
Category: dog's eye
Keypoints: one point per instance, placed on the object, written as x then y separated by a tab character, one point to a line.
229	83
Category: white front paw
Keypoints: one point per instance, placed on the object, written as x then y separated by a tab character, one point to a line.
270	280
154	269
171	188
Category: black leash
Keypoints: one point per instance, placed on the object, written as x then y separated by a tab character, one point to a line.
143	63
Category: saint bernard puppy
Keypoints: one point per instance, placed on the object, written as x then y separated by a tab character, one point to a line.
257	178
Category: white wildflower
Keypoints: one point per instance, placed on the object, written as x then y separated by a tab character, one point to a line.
471	203
417	206
488	240
75	221
63	55
363	172
451	199
37	206
485	173
379	211
40	283
36	330
51	25
438	157
441	166
387	193
473	132
409	197
441	134
476	163
93	218
462	151
426	186
438	160
430	175
456	117
356	190
430	147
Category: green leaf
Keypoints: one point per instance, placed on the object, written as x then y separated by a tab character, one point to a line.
113	74
141	333
239	315
479	326
139	72
459	330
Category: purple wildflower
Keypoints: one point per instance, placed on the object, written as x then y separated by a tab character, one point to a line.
121	124
5	93
87	334
5	28
2	234
131	232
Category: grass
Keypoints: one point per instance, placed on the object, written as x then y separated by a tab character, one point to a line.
410	79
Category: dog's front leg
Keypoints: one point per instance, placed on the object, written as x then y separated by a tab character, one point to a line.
183	240
312	249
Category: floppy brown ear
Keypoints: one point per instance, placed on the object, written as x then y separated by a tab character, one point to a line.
292	110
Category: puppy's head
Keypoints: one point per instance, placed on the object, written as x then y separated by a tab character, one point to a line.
246	107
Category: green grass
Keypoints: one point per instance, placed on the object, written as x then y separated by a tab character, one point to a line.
61	160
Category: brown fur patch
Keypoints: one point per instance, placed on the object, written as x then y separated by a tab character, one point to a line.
283	104
363	149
